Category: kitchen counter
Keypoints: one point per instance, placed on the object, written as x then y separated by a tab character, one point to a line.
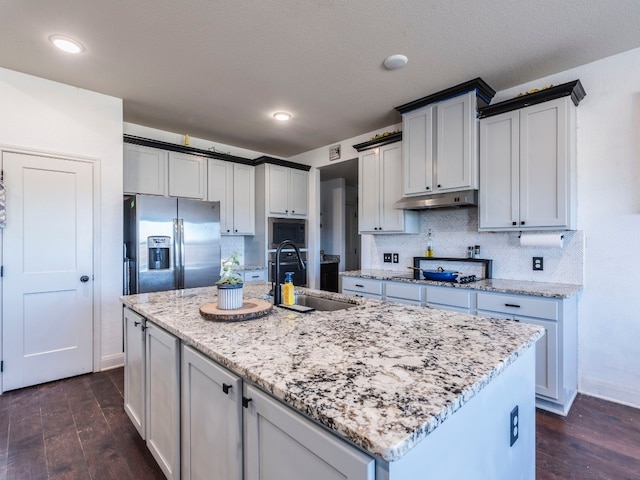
382	375
541	289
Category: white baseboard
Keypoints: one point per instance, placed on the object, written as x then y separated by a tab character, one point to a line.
111	361
626	395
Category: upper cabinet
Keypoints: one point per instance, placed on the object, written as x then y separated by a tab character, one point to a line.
145	170
287	191
528	161
440	140
380	186
153	171
233	185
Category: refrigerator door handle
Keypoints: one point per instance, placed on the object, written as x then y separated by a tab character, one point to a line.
176	253
182	253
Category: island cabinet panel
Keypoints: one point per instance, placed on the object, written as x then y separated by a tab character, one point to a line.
134	369
282	445
474	442
448	298
163	398
211	419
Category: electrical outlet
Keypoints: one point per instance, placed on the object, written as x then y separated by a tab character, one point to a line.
538	263
396	259
513	426
386	257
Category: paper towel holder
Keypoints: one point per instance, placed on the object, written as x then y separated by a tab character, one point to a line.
520	235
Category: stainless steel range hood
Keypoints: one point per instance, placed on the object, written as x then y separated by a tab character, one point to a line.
465	198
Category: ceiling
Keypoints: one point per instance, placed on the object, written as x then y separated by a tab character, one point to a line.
218	70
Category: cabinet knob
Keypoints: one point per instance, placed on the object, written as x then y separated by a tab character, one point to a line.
428	188
522	222
514	223
439	185
236	230
245	402
226	387
228	230
293	211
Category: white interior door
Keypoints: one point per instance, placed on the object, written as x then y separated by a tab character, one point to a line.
47	289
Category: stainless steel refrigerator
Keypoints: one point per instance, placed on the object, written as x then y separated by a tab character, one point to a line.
170	243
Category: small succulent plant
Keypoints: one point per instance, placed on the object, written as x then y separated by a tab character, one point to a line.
229	276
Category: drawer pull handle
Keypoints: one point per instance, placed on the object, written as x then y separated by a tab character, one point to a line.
511	305
135	324
245	402
358	285
255	276
226	387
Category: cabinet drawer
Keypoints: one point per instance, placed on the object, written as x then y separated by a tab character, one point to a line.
519	305
254	276
449	296
364	285
405	291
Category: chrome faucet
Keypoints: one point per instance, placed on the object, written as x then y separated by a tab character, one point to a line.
277	293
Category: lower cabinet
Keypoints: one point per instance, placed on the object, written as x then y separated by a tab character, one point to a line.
211	419
362	287
401	292
447	298
282	445
134	368
162	379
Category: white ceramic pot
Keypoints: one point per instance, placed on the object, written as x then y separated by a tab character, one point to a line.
230	297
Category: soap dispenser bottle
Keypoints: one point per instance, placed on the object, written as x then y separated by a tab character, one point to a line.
288	296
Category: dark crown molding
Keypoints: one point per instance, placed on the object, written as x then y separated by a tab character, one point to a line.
484	93
379	142
573	89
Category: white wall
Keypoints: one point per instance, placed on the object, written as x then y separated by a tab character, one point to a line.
50	117
608	221
332	209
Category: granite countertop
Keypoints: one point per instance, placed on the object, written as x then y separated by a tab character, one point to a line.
523	287
326	258
382	375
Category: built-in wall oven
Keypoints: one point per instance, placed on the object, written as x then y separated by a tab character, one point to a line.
288	263
281	229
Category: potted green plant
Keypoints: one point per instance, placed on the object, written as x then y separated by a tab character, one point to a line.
230	284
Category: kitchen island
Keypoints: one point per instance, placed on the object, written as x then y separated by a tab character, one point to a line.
420	390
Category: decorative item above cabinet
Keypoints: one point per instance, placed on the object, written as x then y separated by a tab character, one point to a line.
440	140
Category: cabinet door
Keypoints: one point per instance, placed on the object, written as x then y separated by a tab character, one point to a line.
145	170
391	219
278	190
187	176
369	192
547	365
134	367
499	205
163	399
417	150
244	199
220	189
298	192
544	165
282	445
211	419
456	145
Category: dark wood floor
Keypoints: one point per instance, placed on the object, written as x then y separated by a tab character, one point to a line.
77	429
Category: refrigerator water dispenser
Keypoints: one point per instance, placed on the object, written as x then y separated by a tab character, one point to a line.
159	250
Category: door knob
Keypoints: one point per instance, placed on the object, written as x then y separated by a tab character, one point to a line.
84	278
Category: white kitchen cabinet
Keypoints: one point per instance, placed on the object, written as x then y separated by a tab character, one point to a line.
233	185
440	147
187	176
527	168
556	352
280	444
449	298
362	287
211	419
379	187
254	275
403	292
134	369
145	170
162	377
287	191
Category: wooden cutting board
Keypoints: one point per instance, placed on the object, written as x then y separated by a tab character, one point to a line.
251	308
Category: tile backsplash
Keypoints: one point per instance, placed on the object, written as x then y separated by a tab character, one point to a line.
453	230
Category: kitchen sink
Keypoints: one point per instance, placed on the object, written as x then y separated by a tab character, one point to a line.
322	304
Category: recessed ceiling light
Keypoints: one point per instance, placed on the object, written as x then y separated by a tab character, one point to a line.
394	62
282	116
66	44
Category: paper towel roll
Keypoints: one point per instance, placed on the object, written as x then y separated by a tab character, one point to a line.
541	240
